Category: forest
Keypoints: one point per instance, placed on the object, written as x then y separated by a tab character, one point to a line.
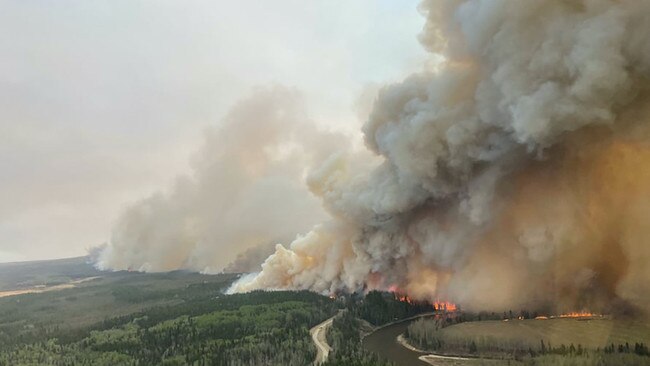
259	328
182	318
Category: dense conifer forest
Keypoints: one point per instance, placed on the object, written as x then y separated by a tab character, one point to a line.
259	328
182	318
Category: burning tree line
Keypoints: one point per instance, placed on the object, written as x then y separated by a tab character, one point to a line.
454	309
444	306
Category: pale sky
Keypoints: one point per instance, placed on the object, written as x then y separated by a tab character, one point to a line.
104	102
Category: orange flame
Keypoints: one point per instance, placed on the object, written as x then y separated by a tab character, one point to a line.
582	314
574	314
403	298
445	306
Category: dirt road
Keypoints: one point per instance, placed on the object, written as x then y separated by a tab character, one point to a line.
319	336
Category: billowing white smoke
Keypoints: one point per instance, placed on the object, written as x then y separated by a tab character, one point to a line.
488	191
247	191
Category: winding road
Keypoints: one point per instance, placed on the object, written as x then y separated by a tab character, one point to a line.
319	336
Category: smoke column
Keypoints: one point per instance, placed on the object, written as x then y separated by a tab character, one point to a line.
245	194
515	175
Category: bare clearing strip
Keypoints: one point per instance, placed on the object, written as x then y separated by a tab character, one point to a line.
40	289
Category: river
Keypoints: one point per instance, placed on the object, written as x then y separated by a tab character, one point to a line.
383	342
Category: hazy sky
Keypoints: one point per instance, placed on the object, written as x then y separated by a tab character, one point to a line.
103	102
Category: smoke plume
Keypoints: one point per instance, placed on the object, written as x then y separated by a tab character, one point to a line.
514	175
246	191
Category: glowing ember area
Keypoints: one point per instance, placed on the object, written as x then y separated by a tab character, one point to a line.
578	315
581	314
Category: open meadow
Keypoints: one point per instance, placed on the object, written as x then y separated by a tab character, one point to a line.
590	333
582	340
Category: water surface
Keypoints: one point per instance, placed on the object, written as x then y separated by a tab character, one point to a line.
383	342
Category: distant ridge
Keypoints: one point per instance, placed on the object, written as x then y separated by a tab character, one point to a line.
19	275
41	261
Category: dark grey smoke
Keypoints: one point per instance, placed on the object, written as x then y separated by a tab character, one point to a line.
516	174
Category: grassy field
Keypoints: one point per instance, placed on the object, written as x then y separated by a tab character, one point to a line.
590	333
559	341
